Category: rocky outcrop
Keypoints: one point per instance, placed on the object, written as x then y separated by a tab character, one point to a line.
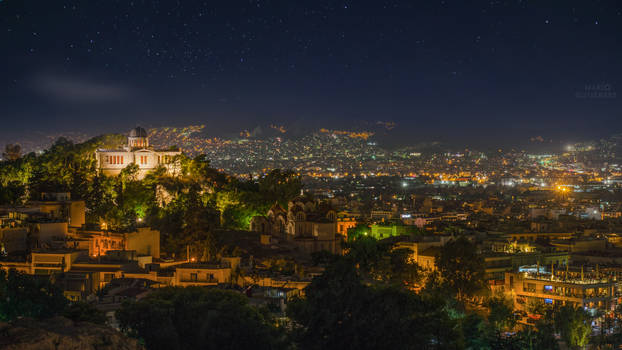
60	333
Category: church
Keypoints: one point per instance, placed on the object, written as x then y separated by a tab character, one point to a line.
137	151
309	225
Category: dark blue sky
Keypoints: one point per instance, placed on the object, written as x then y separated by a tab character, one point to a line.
464	71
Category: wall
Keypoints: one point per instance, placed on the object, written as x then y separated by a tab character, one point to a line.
144	241
45	232
14	239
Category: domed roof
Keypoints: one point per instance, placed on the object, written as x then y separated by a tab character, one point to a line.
138	132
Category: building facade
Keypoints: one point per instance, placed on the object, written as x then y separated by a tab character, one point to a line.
589	292
137	151
309	225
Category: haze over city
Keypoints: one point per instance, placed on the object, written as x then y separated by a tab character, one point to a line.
478	73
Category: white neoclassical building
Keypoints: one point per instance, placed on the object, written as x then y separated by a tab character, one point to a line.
137	151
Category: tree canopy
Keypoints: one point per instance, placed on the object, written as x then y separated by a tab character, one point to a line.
461	268
199	318
186	206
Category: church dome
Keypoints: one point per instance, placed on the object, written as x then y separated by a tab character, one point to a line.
138	132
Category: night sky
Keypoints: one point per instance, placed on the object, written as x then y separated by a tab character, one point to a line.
461	71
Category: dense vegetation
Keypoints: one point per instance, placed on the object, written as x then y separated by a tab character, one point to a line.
38	297
364	300
186	207
199	318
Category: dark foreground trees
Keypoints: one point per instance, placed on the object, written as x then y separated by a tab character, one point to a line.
37	297
462	269
364	300
24	295
199	318
340	312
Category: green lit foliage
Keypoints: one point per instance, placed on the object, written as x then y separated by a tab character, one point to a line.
574	325
182	206
63	167
198	318
24	295
68	167
198	169
238	201
358	231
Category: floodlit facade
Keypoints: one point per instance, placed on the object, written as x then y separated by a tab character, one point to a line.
139	152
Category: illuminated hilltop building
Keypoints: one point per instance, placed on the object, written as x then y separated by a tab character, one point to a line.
139	152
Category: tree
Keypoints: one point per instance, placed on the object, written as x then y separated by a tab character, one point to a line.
540	337
13	193
84	312
12	152
342	312
24	295
280	186
461	268
357	232
225	199
379	263
198	318
477	333
501	315
574	325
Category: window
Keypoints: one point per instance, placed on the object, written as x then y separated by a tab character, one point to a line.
143	159
194	277
529	287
